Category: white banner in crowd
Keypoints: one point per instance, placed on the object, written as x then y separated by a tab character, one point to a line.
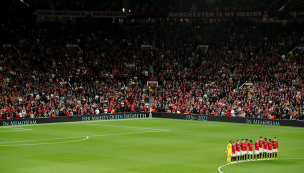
93	14
203	48
146	47
301	47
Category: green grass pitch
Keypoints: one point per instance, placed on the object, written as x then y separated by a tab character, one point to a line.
142	146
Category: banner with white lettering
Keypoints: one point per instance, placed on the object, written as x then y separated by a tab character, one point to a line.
146	47
231	14
301	47
152	84
7	46
93	14
203	48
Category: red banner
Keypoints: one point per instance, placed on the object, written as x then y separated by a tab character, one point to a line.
152	84
247	14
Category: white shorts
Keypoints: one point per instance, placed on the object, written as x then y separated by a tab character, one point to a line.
245	152
275	150
250	152
261	150
233	155
265	150
256	152
238	153
269	151
242	153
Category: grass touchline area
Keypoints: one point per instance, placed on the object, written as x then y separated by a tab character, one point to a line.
156	145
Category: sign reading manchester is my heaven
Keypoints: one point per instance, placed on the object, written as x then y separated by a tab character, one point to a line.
252	14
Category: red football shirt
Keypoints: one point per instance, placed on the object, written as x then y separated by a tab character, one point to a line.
238	147
244	146
250	145
275	144
265	145
233	149
257	146
261	143
269	145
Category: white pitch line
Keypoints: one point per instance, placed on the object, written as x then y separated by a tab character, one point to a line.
87	137
124	133
46	143
73	122
219	169
42	139
130	127
13	130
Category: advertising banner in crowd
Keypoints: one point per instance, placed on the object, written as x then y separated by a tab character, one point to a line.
88	117
93	14
226	14
234	119
124	115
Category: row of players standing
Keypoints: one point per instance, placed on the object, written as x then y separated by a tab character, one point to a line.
243	151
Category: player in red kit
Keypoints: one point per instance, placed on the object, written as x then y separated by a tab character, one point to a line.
233	155
257	149
261	146
275	145
250	150
265	151
238	150
246	142
243	148
269	149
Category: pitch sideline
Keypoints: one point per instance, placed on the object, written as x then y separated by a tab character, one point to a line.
73	122
87	137
130	127
16	130
219	168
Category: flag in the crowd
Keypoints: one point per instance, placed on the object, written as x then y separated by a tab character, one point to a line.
247	84
7	46
300	13
72	47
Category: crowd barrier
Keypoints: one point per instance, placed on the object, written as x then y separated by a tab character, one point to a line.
235	119
73	118
160	115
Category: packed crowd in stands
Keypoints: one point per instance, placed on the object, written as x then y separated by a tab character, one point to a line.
195	82
88	5
279	4
110	75
112	71
160	5
294	5
199	5
288	5
15	5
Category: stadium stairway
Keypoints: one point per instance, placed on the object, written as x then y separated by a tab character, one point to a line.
51	5
151	101
151	70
